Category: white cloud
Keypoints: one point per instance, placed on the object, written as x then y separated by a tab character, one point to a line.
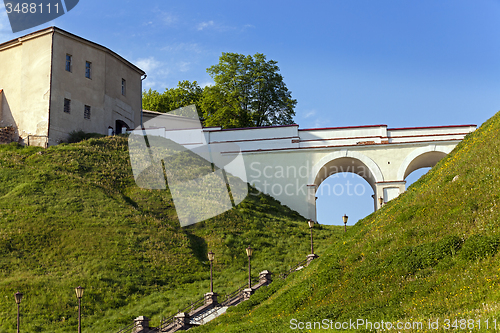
320	123
155	85
168	19
222	27
162	18
204	25
148	64
309	114
183	66
206	84
183	47
157	72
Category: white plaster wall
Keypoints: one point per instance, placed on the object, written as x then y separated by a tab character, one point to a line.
282	174
427	131
25	80
284	162
152	119
102	92
368	132
272	172
255	134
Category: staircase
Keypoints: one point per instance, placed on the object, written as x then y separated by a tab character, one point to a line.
208	308
199	312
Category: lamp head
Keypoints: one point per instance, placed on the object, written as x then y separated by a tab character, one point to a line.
211	256
344	218
311	223
249	251
18	296
79	292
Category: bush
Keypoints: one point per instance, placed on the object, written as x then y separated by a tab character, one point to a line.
413	258
479	246
78	136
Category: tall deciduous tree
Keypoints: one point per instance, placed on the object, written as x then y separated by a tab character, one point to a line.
186	93
248	91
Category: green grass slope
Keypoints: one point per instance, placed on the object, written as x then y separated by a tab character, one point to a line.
431	254
72	215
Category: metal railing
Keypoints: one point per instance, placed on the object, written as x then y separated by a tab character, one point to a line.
31	142
293	269
166	324
230	296
227	299
168	321
127	329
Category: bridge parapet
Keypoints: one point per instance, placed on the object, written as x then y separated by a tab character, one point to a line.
291	137
290	164
434	133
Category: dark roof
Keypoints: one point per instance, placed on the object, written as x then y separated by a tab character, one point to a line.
69	34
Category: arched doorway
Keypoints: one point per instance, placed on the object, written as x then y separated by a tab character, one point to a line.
121	127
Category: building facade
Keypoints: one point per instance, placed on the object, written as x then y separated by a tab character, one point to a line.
53	82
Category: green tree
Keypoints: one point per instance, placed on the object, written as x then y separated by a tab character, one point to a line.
186	93
248	91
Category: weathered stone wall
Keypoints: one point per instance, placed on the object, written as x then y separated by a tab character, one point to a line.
7	134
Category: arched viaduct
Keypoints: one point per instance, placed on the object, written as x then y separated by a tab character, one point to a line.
289	163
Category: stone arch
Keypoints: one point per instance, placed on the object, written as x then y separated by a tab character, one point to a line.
423	157
120	126
346	161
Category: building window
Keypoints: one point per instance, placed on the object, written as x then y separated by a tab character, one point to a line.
86	112
68	62
67	105
124	87
88	70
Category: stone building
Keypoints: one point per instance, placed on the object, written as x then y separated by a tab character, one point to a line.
53	82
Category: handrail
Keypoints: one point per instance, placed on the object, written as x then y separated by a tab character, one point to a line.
165	322
201	317
227	298
127	329
191	307
293	269
170	320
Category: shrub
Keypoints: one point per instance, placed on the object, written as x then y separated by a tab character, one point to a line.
78	136
479	246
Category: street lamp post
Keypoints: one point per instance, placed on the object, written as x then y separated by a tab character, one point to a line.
211	257
344	218
18	296
79	295
249	255
311	225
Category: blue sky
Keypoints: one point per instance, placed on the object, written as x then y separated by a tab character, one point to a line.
400	63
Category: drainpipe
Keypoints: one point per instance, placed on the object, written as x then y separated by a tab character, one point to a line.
142	79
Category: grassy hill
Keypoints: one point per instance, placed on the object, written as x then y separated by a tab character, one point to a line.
72	215
431	254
